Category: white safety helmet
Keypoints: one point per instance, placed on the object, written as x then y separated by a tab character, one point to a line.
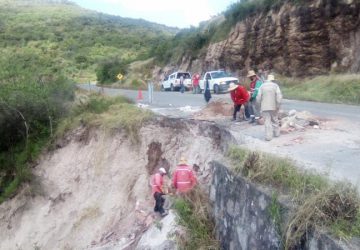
162	170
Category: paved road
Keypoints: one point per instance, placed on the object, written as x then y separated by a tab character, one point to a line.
163	101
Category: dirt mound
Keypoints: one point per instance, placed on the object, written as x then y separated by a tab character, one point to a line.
94	193
215	110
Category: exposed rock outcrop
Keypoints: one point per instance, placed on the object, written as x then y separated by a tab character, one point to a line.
298	40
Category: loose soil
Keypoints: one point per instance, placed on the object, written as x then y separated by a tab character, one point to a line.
93	189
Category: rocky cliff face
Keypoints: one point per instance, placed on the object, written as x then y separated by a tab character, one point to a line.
297	40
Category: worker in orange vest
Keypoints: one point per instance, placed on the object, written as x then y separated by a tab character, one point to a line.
184	178
157	182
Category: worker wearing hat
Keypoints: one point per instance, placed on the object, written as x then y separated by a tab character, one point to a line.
269	98
184	178
239	96
255	84
157	182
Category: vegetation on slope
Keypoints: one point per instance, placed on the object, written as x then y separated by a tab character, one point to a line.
34	96
44	43
110	113
76	38
194	214
193	41
337	205
342	88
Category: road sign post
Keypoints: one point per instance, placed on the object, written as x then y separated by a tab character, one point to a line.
150	91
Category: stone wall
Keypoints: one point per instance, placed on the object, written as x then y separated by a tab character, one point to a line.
242	216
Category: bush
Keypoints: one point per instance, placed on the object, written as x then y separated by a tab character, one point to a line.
107	70
33	99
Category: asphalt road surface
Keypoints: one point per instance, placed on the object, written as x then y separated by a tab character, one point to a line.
166	102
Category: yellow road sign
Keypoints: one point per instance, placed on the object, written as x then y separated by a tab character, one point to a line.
119	76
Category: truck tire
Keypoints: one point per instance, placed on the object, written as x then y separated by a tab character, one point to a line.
216	89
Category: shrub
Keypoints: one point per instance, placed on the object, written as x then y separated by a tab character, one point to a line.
107	70
33	99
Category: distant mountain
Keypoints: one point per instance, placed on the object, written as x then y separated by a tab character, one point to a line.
74	37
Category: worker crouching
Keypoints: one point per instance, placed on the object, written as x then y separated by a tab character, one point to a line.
239	95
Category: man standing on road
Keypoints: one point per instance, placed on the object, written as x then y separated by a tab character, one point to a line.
182	86
184	178
207	93
195	83
255	84
157	191
269	98
239	96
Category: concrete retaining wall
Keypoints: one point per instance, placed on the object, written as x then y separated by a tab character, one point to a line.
242	217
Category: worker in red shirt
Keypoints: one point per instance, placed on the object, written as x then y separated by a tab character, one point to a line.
239	96
157	182
184	178
195	83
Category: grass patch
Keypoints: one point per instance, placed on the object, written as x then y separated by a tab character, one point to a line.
109	113
320	205
193	214
274	210
280	173
335	210
341	88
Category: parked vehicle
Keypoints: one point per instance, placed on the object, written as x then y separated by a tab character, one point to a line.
172	82
219	81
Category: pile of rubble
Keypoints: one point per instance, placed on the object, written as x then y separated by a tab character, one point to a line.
293	120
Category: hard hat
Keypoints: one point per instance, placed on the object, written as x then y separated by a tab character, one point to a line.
162	170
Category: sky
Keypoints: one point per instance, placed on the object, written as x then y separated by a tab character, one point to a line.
180	13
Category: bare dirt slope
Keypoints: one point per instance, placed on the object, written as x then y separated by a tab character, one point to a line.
89	190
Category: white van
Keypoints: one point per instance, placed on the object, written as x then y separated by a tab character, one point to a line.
172	82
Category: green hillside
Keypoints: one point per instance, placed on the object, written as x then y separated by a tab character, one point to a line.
76	39
44	47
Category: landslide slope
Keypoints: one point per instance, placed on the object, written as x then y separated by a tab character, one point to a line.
87	192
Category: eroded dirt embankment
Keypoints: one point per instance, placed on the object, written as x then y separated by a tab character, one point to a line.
93	189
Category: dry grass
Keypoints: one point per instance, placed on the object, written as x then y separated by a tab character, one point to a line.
332	208
277	172
109	113
320	205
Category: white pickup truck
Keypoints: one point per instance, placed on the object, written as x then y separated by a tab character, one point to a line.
218	81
